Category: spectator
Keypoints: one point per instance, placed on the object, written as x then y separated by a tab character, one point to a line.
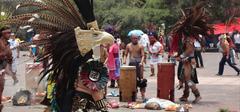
197	53
155	51
15	54
224	48
113	64
236	37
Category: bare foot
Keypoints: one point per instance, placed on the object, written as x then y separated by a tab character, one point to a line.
197	99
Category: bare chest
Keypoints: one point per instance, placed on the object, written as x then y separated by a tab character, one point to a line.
135	50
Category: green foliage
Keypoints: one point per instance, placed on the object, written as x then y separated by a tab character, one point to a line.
219	10
7	9
223	110
126	15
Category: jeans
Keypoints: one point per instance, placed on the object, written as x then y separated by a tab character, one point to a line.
179	70
232	56
222	63
197	54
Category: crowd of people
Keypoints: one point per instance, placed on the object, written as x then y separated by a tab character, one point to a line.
136	53
148	49
77	77
149	46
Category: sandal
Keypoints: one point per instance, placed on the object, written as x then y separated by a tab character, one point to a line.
197	99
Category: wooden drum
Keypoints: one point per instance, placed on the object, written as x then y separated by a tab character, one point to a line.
128	84
165	81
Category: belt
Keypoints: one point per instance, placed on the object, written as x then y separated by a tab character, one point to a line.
115	55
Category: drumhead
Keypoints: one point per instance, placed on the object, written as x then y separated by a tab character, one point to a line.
128	67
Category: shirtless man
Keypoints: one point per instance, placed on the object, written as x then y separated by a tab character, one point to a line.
136	58
5	58
188	76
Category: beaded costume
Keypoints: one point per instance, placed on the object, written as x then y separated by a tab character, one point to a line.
184	32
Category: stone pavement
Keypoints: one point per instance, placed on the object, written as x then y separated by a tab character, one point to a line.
217	91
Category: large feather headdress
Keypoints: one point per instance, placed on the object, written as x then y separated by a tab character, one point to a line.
192	23
50	15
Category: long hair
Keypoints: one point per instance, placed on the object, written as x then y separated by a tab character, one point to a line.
192	23
58	18
65	62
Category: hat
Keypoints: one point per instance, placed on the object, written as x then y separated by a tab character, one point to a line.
223	36
152	34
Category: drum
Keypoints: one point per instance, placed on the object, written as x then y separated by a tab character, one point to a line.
127	84
165	81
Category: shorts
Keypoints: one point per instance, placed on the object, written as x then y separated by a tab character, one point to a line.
141	83
14	66
138	68
155	60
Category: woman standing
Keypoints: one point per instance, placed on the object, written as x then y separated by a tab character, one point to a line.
155	51
113	64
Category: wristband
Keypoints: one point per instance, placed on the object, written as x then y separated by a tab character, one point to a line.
101	105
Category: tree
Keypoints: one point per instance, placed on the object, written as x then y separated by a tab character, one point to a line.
126	15
6	11
220	10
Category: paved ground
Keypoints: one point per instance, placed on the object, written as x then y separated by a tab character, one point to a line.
217	92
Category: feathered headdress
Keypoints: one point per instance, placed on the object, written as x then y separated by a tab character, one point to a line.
192	23
69	39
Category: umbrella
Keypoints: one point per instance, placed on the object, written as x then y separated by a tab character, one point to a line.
136	32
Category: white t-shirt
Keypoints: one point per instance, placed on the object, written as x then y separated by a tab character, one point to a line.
197	44
155	48
237	38
13	44
144	40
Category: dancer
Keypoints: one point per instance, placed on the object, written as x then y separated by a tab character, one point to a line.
184	32
5	58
